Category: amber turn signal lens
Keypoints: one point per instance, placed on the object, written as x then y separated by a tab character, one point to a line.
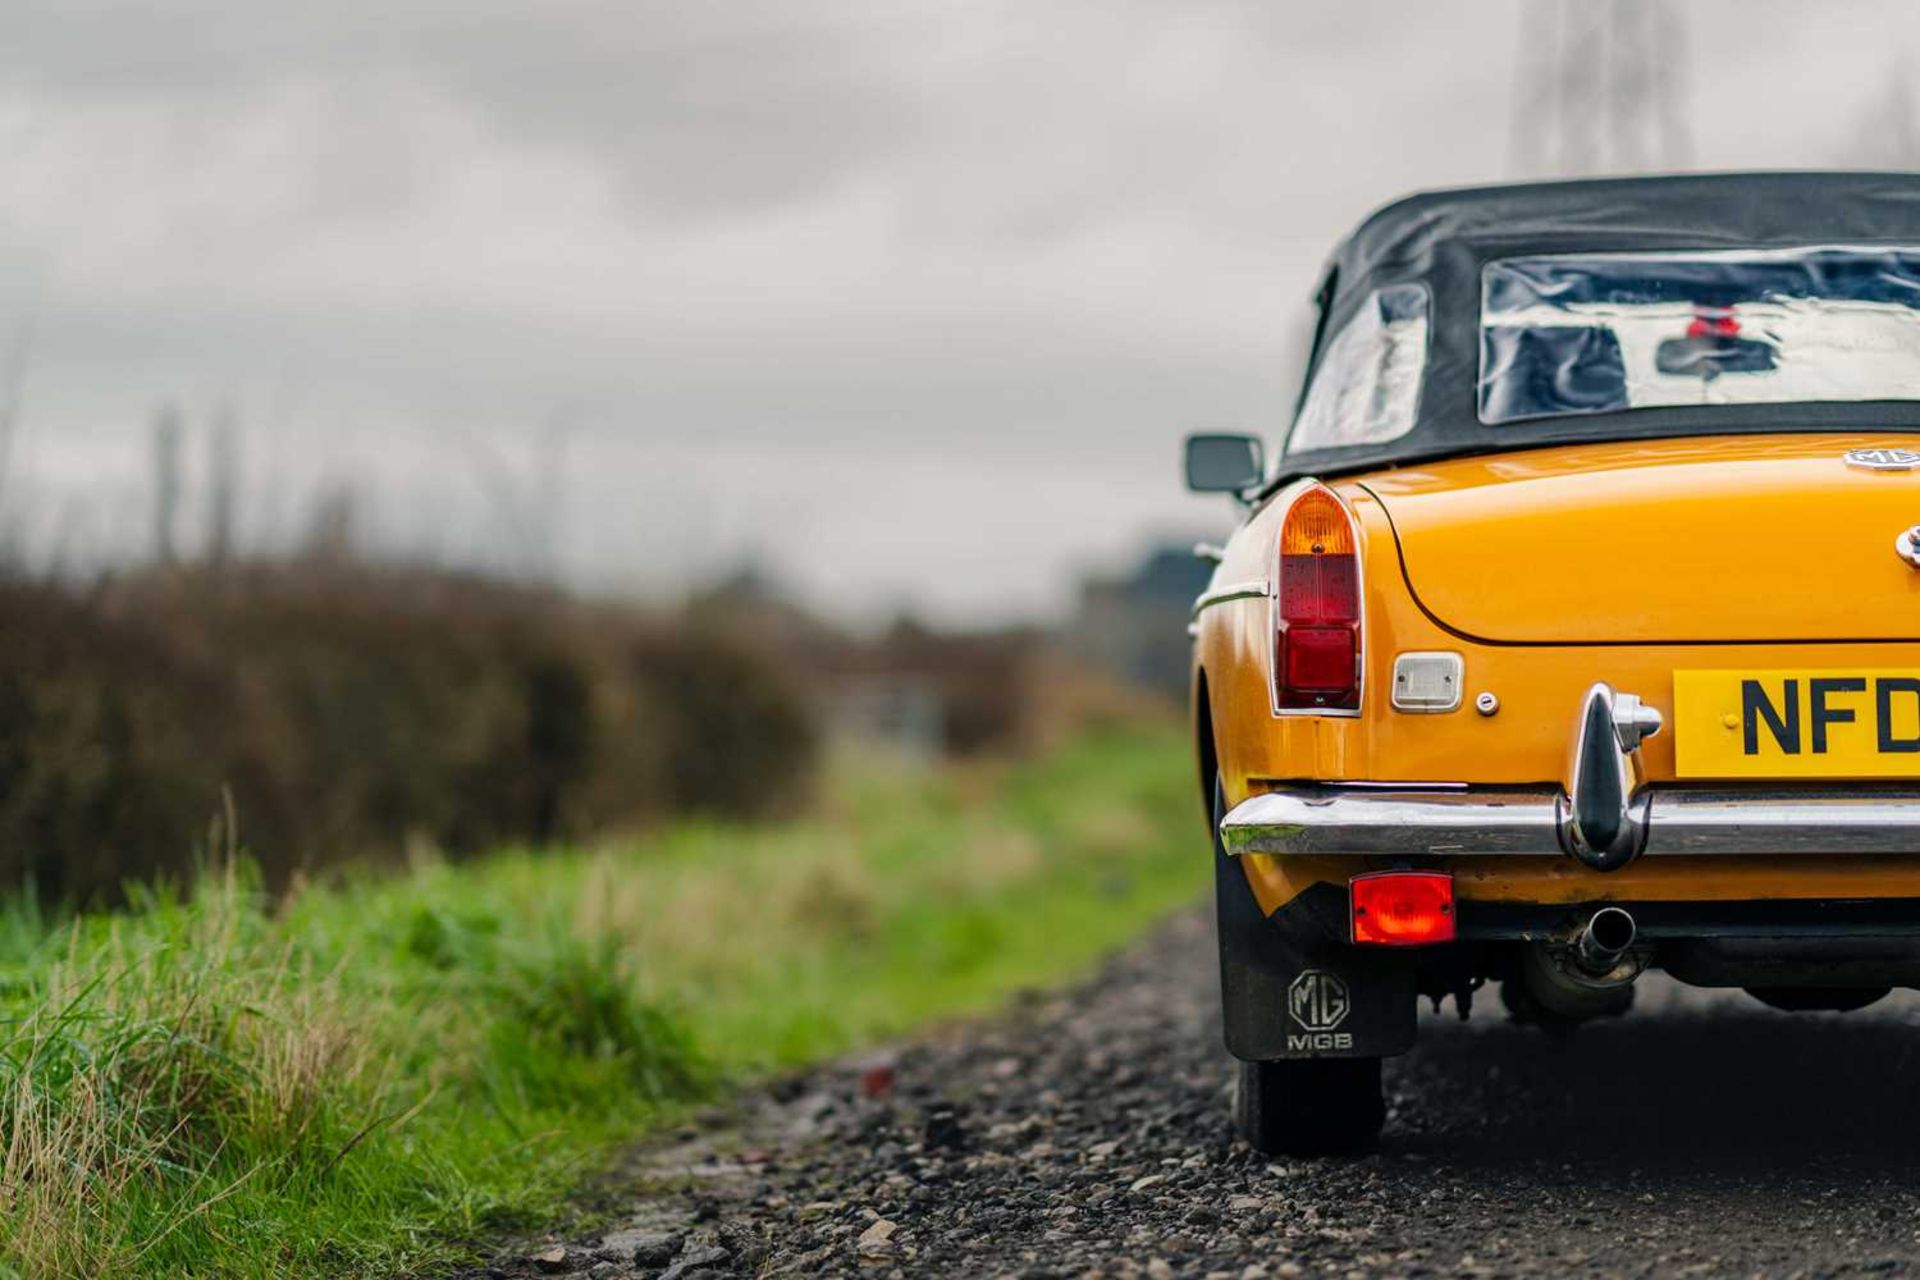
1316	525
1402	908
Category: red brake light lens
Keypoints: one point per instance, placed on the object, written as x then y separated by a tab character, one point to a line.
1316	654
1402	908
1713	322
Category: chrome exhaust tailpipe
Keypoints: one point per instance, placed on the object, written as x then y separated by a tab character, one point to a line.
1590	976
1604	940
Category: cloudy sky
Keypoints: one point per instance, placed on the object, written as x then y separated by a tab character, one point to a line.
908	301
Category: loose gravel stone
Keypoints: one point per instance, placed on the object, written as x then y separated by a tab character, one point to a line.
641	1246
1085	1134
552	1261
698	1261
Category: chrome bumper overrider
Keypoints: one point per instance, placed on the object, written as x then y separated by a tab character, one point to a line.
1474	822
1603	814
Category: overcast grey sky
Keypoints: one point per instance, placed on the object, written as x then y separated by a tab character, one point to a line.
909	300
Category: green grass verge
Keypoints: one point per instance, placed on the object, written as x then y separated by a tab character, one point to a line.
358	1078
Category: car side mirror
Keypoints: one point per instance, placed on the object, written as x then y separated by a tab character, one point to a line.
1218	463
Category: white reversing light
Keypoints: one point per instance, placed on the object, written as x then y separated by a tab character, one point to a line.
1427	682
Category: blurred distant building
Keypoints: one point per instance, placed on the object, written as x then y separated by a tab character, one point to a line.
1135	625
917	690
906	711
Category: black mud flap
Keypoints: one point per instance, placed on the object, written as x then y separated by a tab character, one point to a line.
1291	985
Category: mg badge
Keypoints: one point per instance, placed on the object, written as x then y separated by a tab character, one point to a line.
1883	459
1318	1000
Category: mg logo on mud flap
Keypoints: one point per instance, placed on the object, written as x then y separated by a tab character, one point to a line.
1318	1000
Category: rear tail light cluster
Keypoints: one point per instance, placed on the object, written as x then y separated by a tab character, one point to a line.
1402	908
1316	644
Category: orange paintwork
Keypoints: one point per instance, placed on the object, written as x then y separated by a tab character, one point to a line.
1660	544
1697	539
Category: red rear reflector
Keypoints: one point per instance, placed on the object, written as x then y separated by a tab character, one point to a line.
1402	908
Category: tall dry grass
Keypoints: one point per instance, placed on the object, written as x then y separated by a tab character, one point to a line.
206	1086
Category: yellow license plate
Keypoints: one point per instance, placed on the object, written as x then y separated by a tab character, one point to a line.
1845	723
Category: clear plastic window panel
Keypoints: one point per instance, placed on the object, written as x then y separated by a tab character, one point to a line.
1603	333
1367	387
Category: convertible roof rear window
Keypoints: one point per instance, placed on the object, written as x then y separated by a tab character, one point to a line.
1600	333
1366	387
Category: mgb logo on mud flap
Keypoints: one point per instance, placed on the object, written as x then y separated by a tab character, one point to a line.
1318	1001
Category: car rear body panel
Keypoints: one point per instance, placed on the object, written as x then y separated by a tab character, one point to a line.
1594	563
1716	539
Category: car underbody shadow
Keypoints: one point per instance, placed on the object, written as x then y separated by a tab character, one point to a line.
1698	1088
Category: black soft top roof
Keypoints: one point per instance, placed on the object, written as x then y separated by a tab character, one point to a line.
1442	239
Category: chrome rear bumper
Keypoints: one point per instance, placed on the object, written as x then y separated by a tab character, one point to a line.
1468	821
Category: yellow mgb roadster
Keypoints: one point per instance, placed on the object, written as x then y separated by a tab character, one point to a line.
1575	630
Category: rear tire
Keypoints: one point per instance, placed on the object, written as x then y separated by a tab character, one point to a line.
1309	1106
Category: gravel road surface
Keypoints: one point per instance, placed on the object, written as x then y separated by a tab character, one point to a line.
1086	1134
